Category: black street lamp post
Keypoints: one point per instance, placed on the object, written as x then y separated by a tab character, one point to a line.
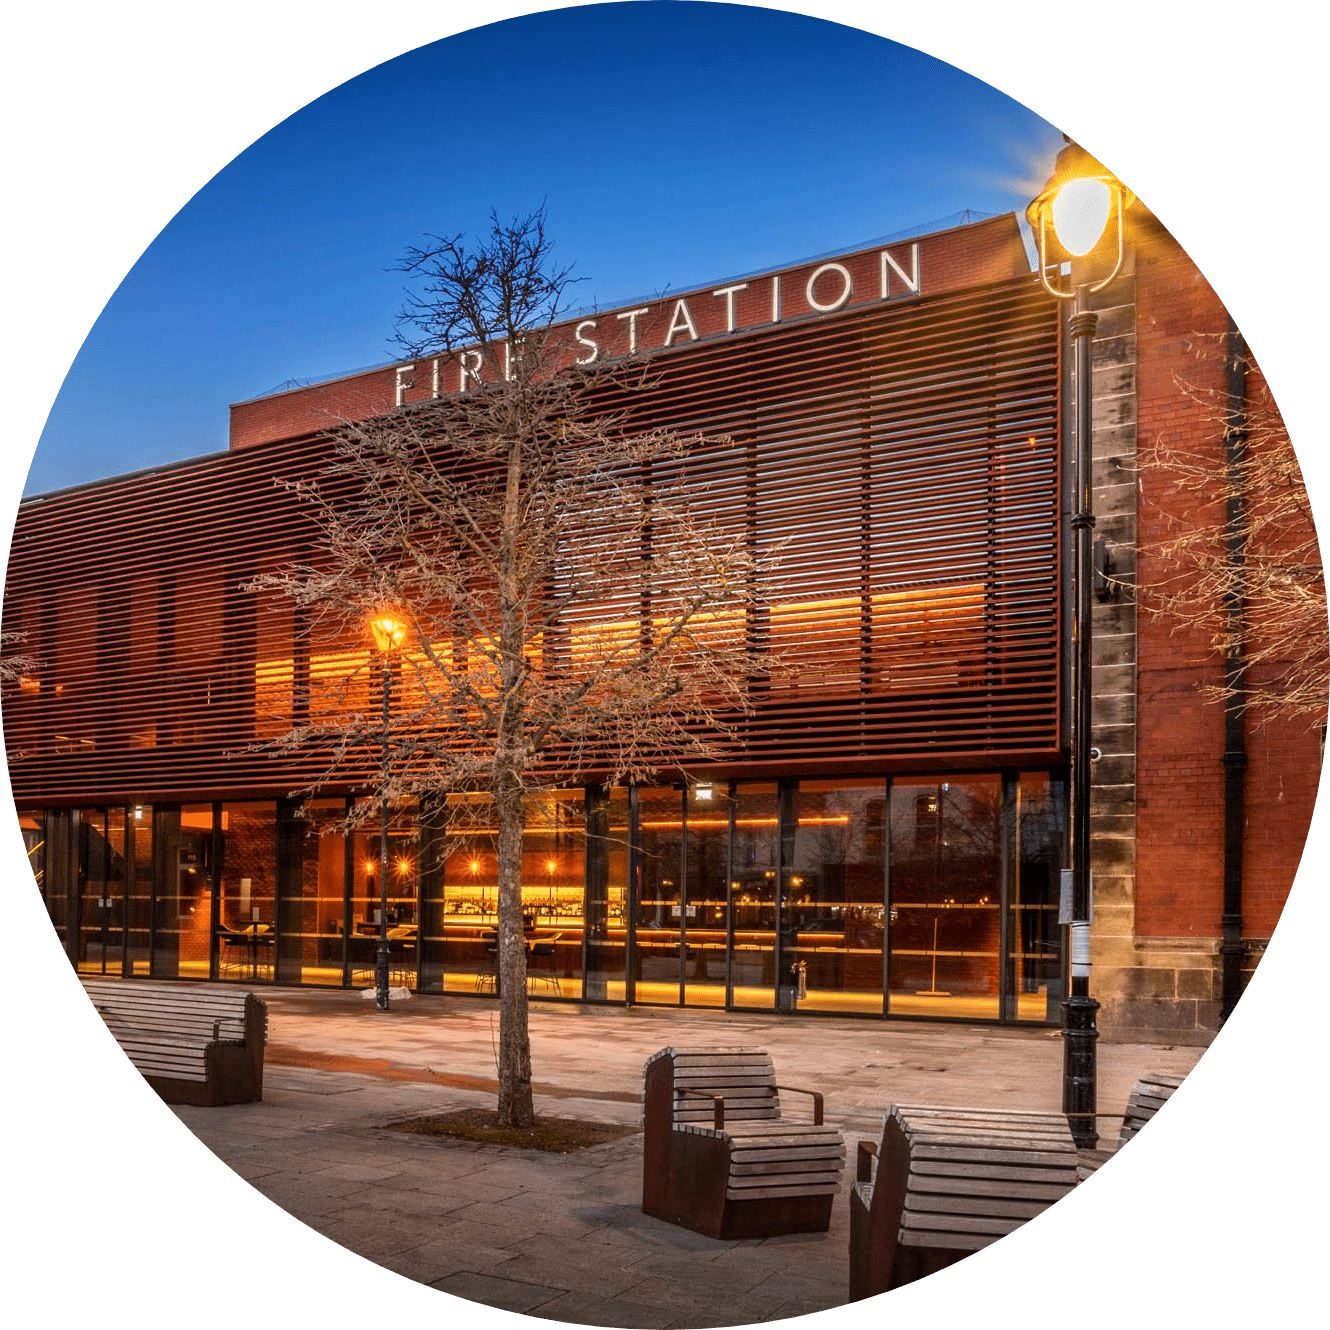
388	635
1082	203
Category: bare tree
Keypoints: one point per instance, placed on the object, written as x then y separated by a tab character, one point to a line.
570	614
13	664
15	668
1243	567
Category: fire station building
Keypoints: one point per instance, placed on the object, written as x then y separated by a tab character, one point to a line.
888	838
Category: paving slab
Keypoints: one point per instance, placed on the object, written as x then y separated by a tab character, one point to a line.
511	1294
563	1237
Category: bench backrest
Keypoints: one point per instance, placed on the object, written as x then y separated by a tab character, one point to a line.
194	1014
743	1077
1148	1096
959	1179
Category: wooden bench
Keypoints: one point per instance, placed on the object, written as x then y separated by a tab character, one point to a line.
193	1045
719	1157
1148	1096
945	1182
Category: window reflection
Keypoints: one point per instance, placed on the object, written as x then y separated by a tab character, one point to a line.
946	892
311	921
247	840
1034	977
833	894
768	895
658	908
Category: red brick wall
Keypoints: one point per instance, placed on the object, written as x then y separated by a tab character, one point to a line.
949	260
1180	739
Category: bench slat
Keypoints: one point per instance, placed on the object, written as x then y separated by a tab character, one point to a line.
926	1185
985	1206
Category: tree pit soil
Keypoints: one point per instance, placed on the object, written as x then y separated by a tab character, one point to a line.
481	1126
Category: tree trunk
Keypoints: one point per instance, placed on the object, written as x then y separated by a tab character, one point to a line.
515	1105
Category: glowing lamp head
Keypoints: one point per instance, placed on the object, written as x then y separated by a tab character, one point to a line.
1081	203
1080	211
388	630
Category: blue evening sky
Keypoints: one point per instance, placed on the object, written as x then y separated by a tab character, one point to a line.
673	144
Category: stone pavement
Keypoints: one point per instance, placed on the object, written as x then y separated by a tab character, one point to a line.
562	1236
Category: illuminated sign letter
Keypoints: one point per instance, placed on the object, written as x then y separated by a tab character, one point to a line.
847	288
587	342
468	363
404	381
680	321
632	315
909	280
727	293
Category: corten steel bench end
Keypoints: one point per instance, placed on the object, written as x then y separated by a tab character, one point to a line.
193	1045
719	1158
945	1182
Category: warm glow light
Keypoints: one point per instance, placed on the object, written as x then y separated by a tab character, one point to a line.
550	866
403	866
1081	201
1080	212
389	631
370	866
714	823
475	867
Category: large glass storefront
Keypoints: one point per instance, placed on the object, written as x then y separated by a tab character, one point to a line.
914	896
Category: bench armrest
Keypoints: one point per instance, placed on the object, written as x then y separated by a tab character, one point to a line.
817	1100
717	1103
864	1161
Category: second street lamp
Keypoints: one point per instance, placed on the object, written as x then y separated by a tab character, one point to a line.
389	633
1078	226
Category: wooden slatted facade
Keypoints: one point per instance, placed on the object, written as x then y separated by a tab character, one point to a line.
904	455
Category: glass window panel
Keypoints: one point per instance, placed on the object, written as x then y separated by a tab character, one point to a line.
32	826
658	909
194	887
101	946
179	849
60	876
705	900
1035	959
248	891
753	894
468	930
313	913
834	895
553	875
433	919
946	875
607	889
142	883
403	896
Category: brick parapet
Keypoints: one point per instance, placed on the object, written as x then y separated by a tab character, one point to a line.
950	260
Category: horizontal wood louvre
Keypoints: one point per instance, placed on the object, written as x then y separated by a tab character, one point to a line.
903	457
